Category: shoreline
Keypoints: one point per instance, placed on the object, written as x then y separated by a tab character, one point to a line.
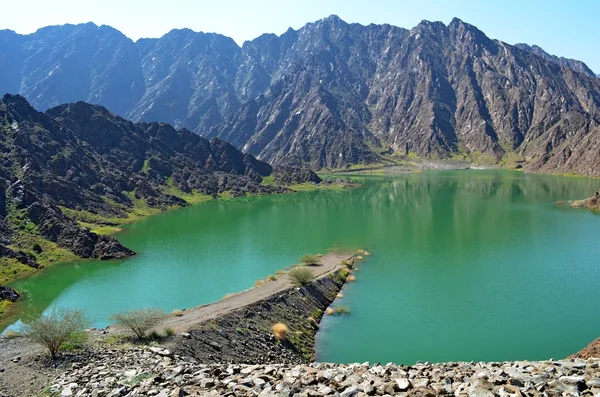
198	329
210	356
136	215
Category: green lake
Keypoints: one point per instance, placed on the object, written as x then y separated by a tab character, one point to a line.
465	265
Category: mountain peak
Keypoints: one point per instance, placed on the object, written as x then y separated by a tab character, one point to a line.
332	20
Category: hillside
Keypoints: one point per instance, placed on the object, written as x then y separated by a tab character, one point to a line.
75	172
331	93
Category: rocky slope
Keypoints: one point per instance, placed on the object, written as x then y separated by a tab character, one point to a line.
160	373
562	61
79	165
330	93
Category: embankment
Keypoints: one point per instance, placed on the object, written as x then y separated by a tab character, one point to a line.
238	329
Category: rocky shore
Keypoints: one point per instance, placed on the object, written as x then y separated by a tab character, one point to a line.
153	371
591	203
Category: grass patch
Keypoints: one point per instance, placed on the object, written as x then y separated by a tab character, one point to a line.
310	260
12	269
268	181
301	276
4	306
340	310
308	187
75	341
138	378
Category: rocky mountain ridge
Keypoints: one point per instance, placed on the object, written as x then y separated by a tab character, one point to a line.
329	94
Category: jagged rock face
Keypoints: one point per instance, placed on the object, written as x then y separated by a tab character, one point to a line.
574	64
61	64
83	157
332	93
9	294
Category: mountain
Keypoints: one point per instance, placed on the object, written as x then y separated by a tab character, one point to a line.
331	93
78	167
570	63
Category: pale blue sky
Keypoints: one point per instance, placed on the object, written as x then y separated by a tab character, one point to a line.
562	27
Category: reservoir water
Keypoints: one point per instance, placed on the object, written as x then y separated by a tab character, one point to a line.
465	265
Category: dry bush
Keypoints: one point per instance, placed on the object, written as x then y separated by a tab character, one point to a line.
310	260
301	276
359	258
53	330
280	331
329	311
139	321
360	252
177	313
351	278
339	295
311	320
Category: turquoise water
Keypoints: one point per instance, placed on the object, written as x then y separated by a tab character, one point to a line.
465	265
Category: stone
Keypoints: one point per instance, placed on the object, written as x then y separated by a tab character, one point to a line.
402	384
350	391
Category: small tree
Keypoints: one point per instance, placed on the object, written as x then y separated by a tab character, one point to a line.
310	260
139	321
301	276
55	328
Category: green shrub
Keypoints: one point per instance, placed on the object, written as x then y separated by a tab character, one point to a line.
53	330
169	332
310	260
139	321
75	341
301	276
37	248
343	273
341	310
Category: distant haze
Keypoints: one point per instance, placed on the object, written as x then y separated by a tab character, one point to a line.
561	28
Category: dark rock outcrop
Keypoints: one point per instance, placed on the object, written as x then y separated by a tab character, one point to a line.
292	175
9	294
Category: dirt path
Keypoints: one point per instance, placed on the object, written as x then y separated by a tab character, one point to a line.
200	314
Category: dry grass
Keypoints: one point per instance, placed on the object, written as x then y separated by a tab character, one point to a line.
301	276
351	278
329	311
360	252
339	295
366	253
280	272
177	313
311	260
280	331
359	258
